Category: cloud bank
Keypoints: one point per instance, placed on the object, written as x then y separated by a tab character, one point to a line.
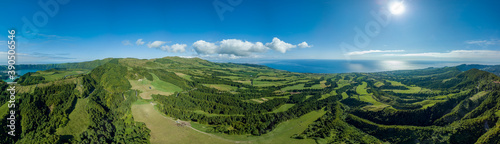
303	45
373	51
139	42
483	42
461	54
279	45
227	48
156	44
235	48
126	43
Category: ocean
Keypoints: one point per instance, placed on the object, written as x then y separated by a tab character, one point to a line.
344	66
20	73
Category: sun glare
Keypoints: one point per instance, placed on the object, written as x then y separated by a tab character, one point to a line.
397	8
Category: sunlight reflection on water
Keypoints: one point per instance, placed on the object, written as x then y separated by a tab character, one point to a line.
342	66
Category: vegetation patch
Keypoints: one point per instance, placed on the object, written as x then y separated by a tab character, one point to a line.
280	135
78	120
283	108
157	86
165	130
221	87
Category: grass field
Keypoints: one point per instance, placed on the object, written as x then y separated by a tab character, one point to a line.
266	83
317	86
342	83
25	89
297	86
361	89
164	86
248	82
478	95
54	75
412	89
164	130
4	110
267	77
231	77
395	83
344	95
78	120
378	84
283	108
366	97
222	87
280	135
209	114
323	84
324	96
156	86
428	103
182	75
445	97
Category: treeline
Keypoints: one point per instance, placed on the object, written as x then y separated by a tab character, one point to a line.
314	82
106	120
43	111
4	94
418	117
28	79
421	94
329	82
172	78
107	108
272	80
333	128
393	87
217	80
255	124
46	109
212	101
463	131
111	76
80	65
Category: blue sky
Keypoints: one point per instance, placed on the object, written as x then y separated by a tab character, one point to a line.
73	31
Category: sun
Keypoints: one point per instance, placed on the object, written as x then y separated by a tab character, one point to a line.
397	8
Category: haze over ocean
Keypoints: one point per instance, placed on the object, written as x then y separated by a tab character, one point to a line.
344	66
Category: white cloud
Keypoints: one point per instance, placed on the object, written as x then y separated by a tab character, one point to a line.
203	47
303	45
175	48
5	53
230	46
476	54
165	48
372	51
279	45
227	56
483	42
156	44
187	56
235	48
240	48
178	48
126	42
139	42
